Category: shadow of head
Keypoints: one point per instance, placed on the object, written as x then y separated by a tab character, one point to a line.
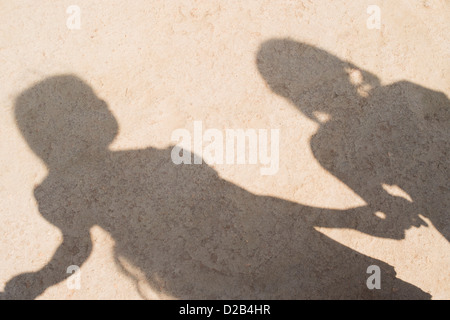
308	76
396	134
61	118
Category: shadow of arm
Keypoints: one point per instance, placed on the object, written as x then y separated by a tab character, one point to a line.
74	250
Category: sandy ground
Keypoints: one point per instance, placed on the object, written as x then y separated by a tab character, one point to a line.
85	133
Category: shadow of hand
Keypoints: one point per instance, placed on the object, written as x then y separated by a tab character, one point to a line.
390	220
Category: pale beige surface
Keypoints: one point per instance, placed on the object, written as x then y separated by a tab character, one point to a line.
159	66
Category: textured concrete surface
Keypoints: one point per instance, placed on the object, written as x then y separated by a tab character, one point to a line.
86	176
